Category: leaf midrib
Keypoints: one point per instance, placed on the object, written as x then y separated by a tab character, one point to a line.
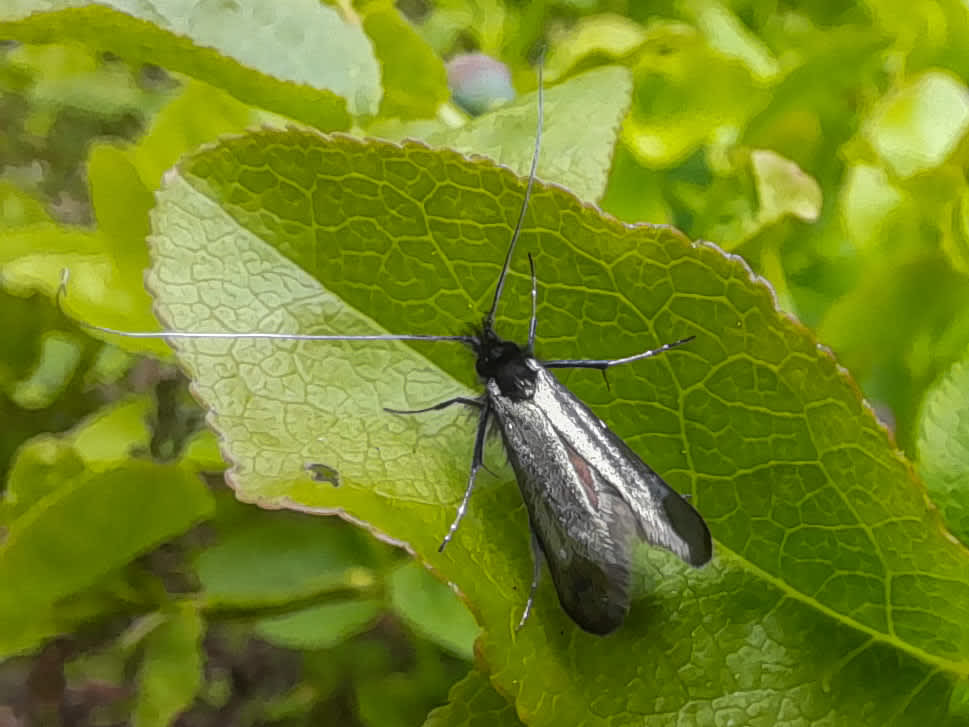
959	668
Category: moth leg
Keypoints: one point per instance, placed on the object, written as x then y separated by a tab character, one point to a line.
605	363
537	556
534	320
444	405
476	462
441	405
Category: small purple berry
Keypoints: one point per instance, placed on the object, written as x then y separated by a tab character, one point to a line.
478	82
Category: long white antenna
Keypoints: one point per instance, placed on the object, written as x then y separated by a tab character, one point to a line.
62	294
469	340
490	319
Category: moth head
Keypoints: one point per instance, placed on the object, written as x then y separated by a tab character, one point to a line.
506	363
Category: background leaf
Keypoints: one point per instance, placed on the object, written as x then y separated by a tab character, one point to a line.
433	609
218	45
413	76
582	119
320	627
77	534
282	560
172	669
944	447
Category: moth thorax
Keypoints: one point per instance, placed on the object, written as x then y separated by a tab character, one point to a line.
507	364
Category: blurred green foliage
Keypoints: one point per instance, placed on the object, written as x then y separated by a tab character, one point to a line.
823	142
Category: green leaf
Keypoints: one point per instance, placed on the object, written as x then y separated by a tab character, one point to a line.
106	267
779	190
895	347
727	34
919	126
28	323
121	202
925	34
115	432
582	118
198	115
594	38
83	530
307	63
635	193
171	668
319	627
391	697
18	208
41	466
827	553
433	609
201	453
279	559
686	94
874	211
472	702
414	79
67	78
32	259
66	617
943	447
955	241
60	355
783	189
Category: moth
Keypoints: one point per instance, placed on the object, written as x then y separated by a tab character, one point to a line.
591	500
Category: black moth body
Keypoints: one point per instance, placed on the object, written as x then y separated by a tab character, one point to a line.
590	499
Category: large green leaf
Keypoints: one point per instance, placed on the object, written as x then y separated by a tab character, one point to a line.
830	567
308	62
